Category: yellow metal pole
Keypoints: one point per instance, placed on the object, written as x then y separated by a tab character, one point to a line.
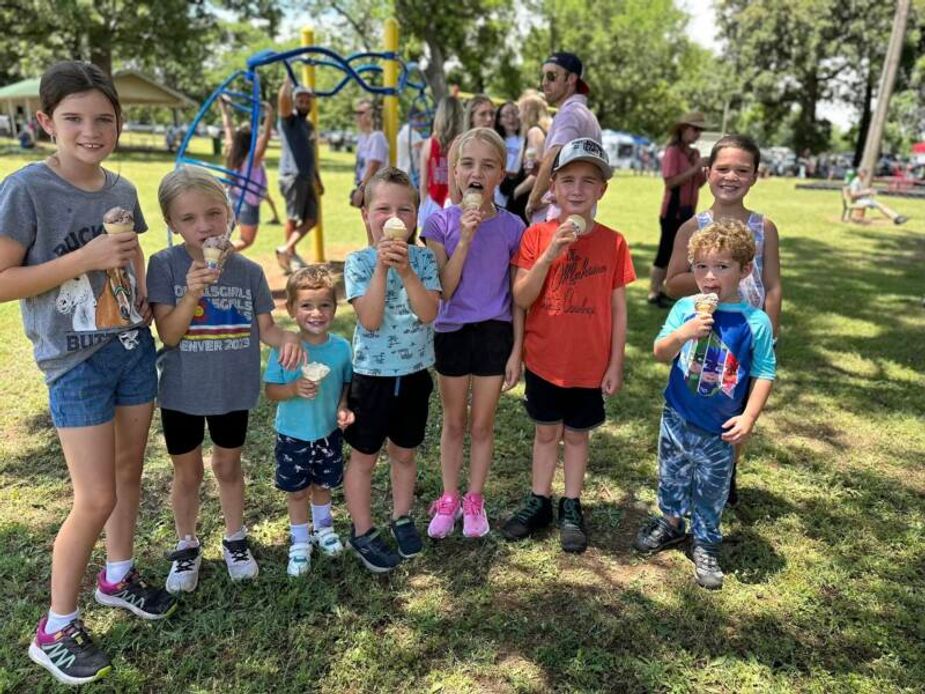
308	79
390	77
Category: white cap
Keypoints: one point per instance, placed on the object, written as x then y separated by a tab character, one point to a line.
584	149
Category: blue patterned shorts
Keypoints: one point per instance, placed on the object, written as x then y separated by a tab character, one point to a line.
300	464
694	469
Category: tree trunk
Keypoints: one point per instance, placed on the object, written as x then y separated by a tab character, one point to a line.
101	56
866	113
434	72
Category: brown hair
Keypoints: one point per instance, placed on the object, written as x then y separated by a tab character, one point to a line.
723	235
389	174
743	142
74	77
310	277
473	104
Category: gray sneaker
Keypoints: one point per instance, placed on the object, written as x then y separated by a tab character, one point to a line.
706	566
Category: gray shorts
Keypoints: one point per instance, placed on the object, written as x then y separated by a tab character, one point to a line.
299	194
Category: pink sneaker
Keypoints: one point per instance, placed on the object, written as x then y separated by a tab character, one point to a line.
475	521
445	511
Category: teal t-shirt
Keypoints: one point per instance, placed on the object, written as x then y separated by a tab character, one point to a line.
310	420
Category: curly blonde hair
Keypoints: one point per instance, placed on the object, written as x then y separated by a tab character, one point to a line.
723	235
310	277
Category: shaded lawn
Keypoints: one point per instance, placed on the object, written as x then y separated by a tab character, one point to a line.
825	558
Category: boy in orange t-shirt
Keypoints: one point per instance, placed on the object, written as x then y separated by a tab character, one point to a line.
571	279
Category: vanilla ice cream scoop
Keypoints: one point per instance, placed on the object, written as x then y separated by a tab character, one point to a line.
706	303
118	221
315	371
394	228
472	200
578	222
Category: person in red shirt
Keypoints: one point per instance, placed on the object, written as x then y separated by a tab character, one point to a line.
684	171
571	279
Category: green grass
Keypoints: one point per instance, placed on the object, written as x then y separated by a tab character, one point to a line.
825	557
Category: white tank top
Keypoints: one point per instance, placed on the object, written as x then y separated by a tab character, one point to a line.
751	288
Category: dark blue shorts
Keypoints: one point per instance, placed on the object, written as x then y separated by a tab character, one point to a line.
119	374
300	464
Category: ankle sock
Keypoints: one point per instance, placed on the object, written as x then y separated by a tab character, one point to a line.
117	570
321	516
299	533
56	622
188	541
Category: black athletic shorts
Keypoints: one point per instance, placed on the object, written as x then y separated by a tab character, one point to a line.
393	407
578	409
477	349
185	432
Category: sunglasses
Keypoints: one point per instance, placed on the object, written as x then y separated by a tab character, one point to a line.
361	113
550	76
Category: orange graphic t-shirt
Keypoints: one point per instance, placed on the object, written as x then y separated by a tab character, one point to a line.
568	328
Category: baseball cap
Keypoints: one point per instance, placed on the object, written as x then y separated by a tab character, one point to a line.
571	63
584	149
302	89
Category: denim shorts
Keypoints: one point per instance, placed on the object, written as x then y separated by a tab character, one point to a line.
117	375
300	464
248	215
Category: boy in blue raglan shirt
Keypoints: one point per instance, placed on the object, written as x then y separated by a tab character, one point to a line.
722	369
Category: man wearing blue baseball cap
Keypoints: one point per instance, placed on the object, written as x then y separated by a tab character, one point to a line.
563	87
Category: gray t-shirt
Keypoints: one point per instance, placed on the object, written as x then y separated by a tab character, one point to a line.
51	217
216	367
296	147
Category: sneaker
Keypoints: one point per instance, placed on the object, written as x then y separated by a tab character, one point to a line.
572	533
184	571
706	566
535	514
444	512
407	537
241	563
70	654
132	593
376	556
901	219
475	520
657	534
296	261
328	542
284	259
300	557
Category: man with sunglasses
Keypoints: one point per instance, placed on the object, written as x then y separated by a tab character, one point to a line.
564	88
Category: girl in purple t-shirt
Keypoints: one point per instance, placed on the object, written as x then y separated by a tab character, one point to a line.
479	331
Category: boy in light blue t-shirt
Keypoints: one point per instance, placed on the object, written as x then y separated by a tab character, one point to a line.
722	369
311	413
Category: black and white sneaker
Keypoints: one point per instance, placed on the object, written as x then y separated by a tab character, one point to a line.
657	534
70	654
184	570
375	554
133	593
238	558
706	566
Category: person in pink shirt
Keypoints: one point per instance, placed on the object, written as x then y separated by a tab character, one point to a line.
564	88
684	171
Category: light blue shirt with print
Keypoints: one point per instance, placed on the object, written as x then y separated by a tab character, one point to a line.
403	344
310	420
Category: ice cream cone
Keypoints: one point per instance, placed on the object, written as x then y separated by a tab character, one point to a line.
212	250
706	303
118	221
315	371
578	222
394	228
472	200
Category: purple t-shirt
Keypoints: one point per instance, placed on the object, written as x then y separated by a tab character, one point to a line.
484	290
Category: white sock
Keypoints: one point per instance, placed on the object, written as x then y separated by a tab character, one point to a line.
56	622
321	516
188	541
299	533
117	570
239	535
